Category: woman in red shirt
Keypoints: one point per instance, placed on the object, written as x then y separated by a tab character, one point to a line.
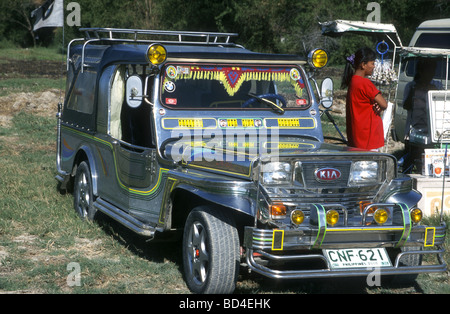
364	102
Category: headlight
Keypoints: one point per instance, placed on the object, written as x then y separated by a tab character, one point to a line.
276	173
364	173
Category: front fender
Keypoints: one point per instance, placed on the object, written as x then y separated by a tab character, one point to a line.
219	190
400	190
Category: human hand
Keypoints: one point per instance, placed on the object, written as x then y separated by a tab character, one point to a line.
377	109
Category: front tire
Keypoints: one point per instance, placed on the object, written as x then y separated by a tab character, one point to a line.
210	251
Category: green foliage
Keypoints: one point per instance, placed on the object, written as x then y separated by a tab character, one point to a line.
284	26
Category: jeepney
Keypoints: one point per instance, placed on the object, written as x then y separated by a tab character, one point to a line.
188	132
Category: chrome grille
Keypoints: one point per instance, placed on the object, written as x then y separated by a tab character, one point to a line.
309	168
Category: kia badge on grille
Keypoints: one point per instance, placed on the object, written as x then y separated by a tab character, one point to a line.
327	174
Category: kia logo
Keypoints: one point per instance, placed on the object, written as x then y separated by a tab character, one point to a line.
327	174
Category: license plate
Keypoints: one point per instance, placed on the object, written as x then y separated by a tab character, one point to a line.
359	258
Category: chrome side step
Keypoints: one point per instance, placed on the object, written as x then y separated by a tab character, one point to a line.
124	218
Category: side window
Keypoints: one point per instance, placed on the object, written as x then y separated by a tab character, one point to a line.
83	93
130	121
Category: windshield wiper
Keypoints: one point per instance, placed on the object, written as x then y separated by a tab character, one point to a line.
271	104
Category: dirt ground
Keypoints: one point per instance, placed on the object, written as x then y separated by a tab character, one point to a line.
39	103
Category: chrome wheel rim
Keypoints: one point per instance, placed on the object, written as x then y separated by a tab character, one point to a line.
84	197
197	254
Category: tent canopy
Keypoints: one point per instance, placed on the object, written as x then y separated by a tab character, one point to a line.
339	27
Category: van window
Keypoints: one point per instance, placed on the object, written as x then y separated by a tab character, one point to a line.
440	68
433	40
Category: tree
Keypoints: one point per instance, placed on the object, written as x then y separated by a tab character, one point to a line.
15	21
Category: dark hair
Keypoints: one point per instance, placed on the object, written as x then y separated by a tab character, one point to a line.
425	67
363	55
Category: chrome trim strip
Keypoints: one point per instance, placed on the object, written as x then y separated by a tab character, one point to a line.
124	218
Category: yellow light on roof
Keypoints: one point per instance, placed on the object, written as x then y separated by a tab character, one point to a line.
156	54
318	58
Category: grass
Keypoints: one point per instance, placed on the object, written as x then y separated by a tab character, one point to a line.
29	85
31	54
40	236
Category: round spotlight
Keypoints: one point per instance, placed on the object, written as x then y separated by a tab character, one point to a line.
416	215
332	217
297	217
381	215
318	58
156	54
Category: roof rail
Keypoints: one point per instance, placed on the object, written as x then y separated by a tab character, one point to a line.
149	36
160	36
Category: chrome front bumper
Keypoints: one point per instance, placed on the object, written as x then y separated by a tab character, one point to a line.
265	248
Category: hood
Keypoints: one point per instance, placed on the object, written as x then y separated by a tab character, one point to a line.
239	158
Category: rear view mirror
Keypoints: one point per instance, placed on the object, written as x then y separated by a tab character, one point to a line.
326	93
133	92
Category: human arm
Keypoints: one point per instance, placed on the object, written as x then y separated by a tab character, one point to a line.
380	104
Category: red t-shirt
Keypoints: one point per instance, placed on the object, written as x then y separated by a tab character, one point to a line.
364	126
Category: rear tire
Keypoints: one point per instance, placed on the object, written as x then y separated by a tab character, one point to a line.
210	251
83	198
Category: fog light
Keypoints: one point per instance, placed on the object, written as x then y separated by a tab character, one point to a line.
277	211
297	217
381	216
416	215
332	217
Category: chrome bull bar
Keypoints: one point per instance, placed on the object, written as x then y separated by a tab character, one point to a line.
327	272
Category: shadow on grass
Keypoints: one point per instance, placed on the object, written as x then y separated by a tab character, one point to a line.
165	247
168	248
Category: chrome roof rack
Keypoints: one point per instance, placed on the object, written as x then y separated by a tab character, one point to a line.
160	36
151	36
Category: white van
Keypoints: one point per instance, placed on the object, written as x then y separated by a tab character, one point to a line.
429	34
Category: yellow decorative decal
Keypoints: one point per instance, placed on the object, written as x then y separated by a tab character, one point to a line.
290	123
189	123
277	240
429	236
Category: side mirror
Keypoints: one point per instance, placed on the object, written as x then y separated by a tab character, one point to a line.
326	93
133	91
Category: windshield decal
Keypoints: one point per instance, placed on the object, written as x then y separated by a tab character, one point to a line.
232	78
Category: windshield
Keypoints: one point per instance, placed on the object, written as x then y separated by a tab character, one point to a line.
434	40
233	87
